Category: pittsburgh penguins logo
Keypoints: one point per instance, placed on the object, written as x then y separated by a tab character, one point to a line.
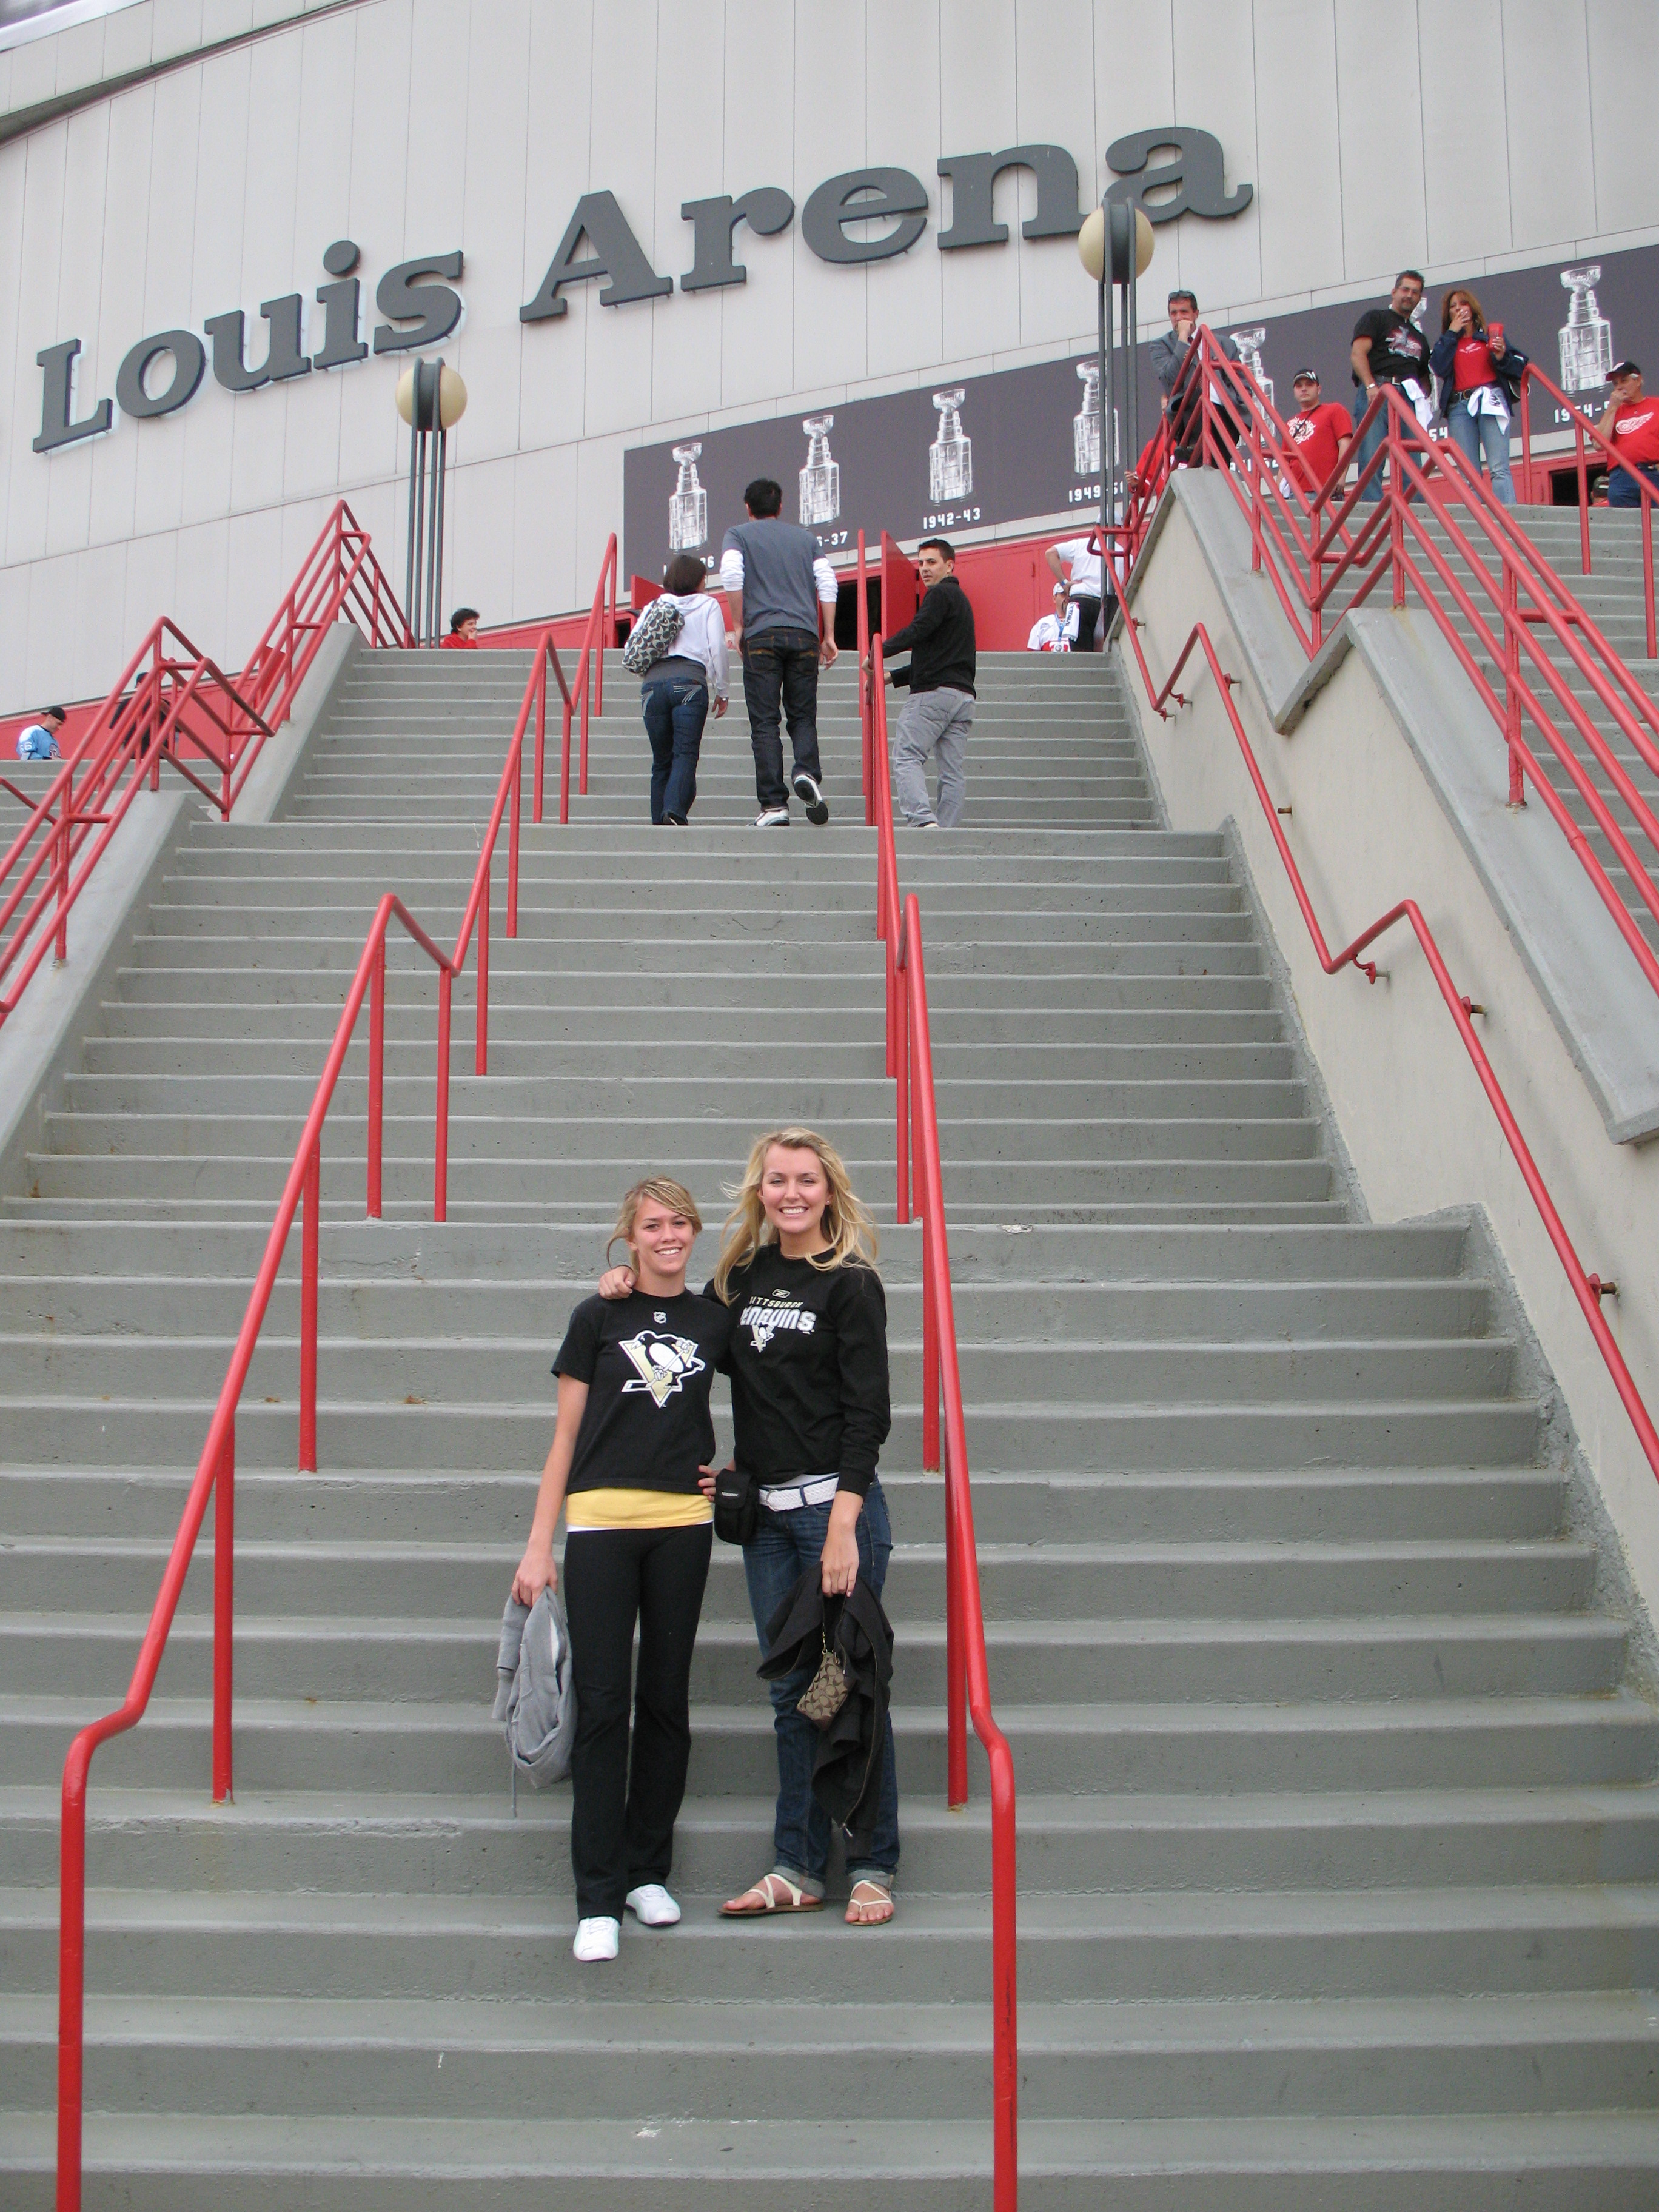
663	1364
764	1318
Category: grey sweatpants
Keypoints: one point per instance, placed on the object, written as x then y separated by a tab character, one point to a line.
934	722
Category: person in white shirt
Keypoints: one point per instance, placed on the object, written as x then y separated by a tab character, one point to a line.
675	694
1053	632
1077	565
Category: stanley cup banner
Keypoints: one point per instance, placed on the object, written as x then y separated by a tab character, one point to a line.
993	451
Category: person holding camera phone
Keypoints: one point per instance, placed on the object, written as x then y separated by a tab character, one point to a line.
631	1464
1480	374
810	1411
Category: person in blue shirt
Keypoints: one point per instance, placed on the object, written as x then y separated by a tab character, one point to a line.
39	740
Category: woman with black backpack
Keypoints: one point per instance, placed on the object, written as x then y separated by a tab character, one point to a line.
680	639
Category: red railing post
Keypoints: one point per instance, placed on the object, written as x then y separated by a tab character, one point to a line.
540	729
514	802
224	1612
1512	681
481	1026
956	1672
1396	498
866	747
310	1253
376	1078
564	768
66	816
441	1137
902	1075
71	1977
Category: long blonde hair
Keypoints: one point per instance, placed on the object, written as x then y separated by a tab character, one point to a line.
661	1190
847	1220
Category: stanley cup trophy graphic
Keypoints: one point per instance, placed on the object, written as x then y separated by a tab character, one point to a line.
951	456
1587	335
820	480
1086	423
1250	345
688	510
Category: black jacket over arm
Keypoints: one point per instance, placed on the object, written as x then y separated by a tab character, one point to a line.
846	1769
939	638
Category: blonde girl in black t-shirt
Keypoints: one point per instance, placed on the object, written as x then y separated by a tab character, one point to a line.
632	1445
810	1411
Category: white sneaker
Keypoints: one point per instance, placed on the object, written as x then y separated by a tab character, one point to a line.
652	1905
817	806
772	817
597	1939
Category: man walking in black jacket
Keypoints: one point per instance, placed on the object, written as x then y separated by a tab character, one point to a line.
941	711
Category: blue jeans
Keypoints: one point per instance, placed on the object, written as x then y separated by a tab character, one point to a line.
1622	482
1471	433
785	1545
781	681
675	708
1369	440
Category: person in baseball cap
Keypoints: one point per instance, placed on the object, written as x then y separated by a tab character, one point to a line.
1630	424
1322	432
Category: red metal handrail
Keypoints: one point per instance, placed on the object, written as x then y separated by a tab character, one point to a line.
172	703
600	632
1586	1288
1324	551
967	1671
216	1470
1582	430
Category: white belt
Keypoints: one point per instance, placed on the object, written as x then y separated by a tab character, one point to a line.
787	1497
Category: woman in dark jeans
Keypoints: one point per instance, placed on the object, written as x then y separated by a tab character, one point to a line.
675	692
810	1403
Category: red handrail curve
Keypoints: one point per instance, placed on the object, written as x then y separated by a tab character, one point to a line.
967	1671
600	632
171	702
1586	1288
1326	551
1583	428
214	1476
216	1470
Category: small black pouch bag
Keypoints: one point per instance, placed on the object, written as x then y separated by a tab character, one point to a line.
736	1506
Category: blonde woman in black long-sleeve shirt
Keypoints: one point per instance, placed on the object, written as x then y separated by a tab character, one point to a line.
810	1410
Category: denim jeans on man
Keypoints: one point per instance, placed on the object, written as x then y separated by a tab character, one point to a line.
675	705
1471	433
781	666
1622	488
1371	438
785	1545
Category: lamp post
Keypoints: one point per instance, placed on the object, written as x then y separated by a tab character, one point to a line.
432	399
1116	246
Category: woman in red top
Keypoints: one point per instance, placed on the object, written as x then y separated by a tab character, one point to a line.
1473	363
1633	423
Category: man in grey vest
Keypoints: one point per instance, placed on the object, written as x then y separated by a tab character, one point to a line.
782	581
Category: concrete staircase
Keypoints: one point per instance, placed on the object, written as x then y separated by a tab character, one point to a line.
1339	1836
1612	595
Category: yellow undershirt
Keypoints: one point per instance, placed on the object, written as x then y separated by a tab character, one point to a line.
636	1508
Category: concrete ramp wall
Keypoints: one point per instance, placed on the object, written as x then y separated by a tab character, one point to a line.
1375	818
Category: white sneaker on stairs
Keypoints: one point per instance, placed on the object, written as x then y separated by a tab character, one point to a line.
652	1905
597	1939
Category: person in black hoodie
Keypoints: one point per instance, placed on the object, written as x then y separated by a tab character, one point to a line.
810	1411
939	639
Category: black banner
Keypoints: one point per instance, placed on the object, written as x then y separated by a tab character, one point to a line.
1024	442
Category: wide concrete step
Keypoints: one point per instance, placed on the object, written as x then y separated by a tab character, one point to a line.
1290	1944
1588	2162
1085	1579
438	1840
1033	1663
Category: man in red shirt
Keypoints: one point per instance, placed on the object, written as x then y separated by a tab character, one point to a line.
1633	423
1323	432
463	630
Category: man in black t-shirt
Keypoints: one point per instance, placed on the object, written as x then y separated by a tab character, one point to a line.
1388	348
